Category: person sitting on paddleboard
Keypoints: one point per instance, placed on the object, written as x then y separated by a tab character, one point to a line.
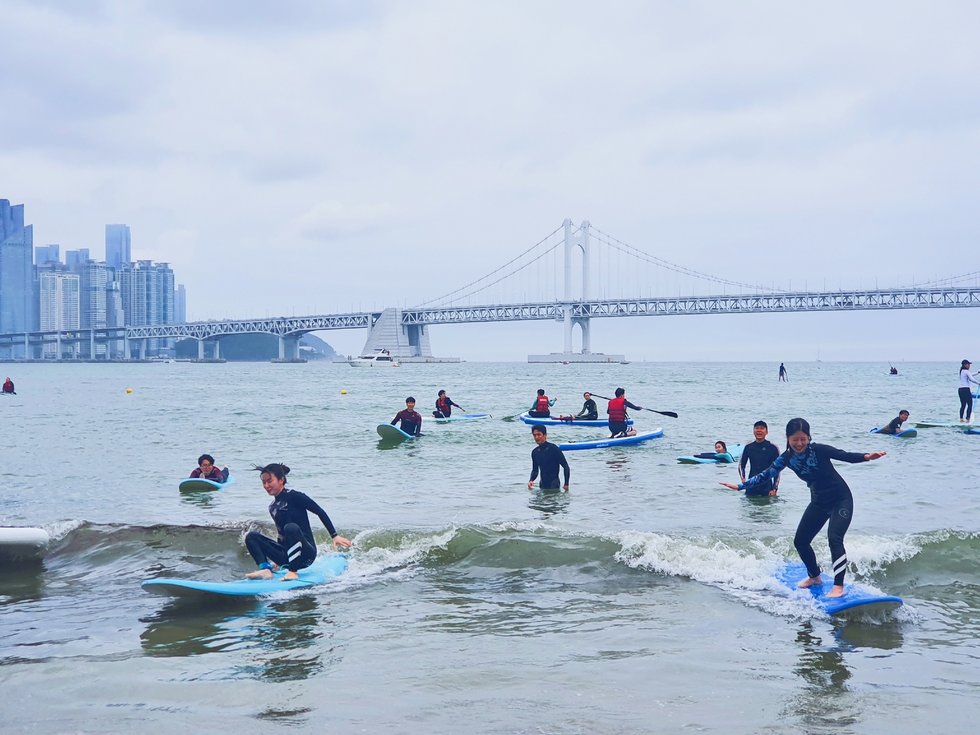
206	470
8	385
721	453
830	498
895	425
759	455
546	458
541	409
618	416
589	412
411	419
295	547
444	406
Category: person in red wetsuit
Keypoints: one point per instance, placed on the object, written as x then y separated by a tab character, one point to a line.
206	470
541	408
444	406
618	416
411	420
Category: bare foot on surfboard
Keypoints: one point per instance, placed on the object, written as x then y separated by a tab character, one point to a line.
836	591
810	582
260	574
289	576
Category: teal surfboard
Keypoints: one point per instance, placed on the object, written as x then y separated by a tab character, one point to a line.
201	484
856	597
463	417
392	433
903	434
732	455
325	568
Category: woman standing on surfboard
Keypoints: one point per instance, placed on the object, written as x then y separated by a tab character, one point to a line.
830	498
295	548
965	393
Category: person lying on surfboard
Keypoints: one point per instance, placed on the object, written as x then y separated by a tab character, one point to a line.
206	470
295	547
411	420
895	425
721	453
830	498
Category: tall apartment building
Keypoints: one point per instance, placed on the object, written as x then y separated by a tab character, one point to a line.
75	259
180	305
59	304
147	293
47	254
118	245
17	310
95	278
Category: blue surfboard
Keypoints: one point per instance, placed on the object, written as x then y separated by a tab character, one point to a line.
392	433
732	455
463	417
325	568
903	434
202	484
607	442
855	598
569	422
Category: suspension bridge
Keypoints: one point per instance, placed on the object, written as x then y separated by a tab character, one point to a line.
590	275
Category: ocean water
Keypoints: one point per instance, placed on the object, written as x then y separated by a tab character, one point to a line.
642	601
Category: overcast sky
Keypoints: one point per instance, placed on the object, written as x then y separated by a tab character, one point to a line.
316	157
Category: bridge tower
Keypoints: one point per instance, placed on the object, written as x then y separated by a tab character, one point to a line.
576	239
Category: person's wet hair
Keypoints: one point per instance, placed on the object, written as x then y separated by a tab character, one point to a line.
276	469
760	424
620	392
207	457
541	428
795	425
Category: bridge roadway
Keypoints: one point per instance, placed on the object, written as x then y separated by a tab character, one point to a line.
291	328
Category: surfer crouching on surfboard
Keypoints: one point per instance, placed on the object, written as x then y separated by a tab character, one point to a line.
295	548
830	498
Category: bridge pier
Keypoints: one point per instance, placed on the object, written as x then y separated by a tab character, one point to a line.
405	342
289	348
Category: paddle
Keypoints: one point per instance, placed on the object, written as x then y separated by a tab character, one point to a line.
662	413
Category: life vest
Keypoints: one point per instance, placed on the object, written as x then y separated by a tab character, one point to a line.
442	405
541	405
617	409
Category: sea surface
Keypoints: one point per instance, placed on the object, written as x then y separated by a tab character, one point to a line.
641	601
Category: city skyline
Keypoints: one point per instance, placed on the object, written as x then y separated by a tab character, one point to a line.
382	154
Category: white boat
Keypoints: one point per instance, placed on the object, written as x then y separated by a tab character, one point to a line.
380	358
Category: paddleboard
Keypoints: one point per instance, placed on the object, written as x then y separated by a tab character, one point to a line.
945	425
325	568
972	431
464	417
732	455
23	542
607	442
903	434
392	433
558	422
202	484
856	597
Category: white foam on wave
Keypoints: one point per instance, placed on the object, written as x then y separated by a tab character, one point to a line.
59	529
370	562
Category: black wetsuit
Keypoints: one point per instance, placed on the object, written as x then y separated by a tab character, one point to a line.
830	500
547	458
759	455
295	548
894	426
589	412
411	421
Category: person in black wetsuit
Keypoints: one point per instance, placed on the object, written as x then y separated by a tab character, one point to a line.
411	420
444	406
895	425
830	498
589	412
295	547
782	373
546	458
759	455
206	470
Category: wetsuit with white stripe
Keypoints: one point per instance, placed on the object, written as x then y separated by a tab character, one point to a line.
830	500
295	548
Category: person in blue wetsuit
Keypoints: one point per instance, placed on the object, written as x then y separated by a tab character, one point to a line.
895	425
759	455
295	547
411	420
830	498
546	458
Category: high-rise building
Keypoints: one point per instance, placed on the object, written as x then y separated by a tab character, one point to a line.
180	305
75	259
47	254
59	304
17	309
94	279
147	291
117	245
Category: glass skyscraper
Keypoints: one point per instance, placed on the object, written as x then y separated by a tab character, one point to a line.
17	310
118	245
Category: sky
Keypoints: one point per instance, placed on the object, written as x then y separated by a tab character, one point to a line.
297	157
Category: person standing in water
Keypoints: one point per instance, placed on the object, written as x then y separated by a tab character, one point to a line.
546	458
411	420
782	373
295	547
759	455
830	498
966	393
